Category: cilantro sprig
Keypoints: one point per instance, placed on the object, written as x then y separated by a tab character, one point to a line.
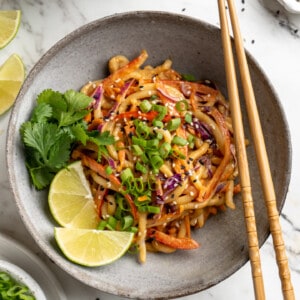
56	124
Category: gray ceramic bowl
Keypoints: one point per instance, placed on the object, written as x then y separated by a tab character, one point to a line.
195	48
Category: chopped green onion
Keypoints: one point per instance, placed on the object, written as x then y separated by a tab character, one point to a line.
144	158
126	222
108	170
142	129
111	223
145	106
139	167
159	136
121	202
139	141
153	209
178	154
137	150
162	111
139	185
158	124
182	105
164	150
149	208
133	229
126	175
188	118
152	144
156	161
173	124
188	77
153	97
11	289
177	140
151	152
102	224
191	141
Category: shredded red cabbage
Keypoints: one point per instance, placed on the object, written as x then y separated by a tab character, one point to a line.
98	96
185	89
203	129
100	126
111	162
172	182
206	161
219	187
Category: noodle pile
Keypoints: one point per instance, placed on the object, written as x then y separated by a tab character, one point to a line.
172	162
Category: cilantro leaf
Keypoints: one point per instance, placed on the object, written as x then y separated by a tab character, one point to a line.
40	176
67	108
103	138
76	101
79	133
188	77
59	153
41	137
56	124
41	113
77	104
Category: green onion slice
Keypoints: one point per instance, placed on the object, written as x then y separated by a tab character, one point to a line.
177	140
173	124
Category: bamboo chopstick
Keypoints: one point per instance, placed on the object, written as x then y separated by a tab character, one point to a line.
259	146
241	156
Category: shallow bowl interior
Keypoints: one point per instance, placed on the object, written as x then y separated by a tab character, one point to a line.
195	48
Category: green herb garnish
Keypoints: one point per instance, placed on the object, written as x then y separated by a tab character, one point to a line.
56	124
13	290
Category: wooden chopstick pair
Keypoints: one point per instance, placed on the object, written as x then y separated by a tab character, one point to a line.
261	155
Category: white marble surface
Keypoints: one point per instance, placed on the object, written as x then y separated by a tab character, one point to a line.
271	36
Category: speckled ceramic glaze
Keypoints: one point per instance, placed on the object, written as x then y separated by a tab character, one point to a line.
195	48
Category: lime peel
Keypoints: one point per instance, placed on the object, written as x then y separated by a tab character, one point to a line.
12	74
92	248
9	25
70	199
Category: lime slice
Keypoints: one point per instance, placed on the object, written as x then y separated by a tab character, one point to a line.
12	75
70	199
92	248
9	25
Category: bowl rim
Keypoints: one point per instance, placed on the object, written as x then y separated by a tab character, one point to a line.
22	277
39	66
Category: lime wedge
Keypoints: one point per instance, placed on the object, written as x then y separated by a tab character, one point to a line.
70	199
92	248
12	75
9	25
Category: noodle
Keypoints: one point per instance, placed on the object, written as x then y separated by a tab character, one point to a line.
172	163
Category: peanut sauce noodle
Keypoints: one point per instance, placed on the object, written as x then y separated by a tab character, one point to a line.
172	163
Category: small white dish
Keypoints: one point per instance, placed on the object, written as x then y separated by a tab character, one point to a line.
292	6
16	253
22	277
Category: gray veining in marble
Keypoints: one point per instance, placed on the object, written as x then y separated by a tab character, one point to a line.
271	34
